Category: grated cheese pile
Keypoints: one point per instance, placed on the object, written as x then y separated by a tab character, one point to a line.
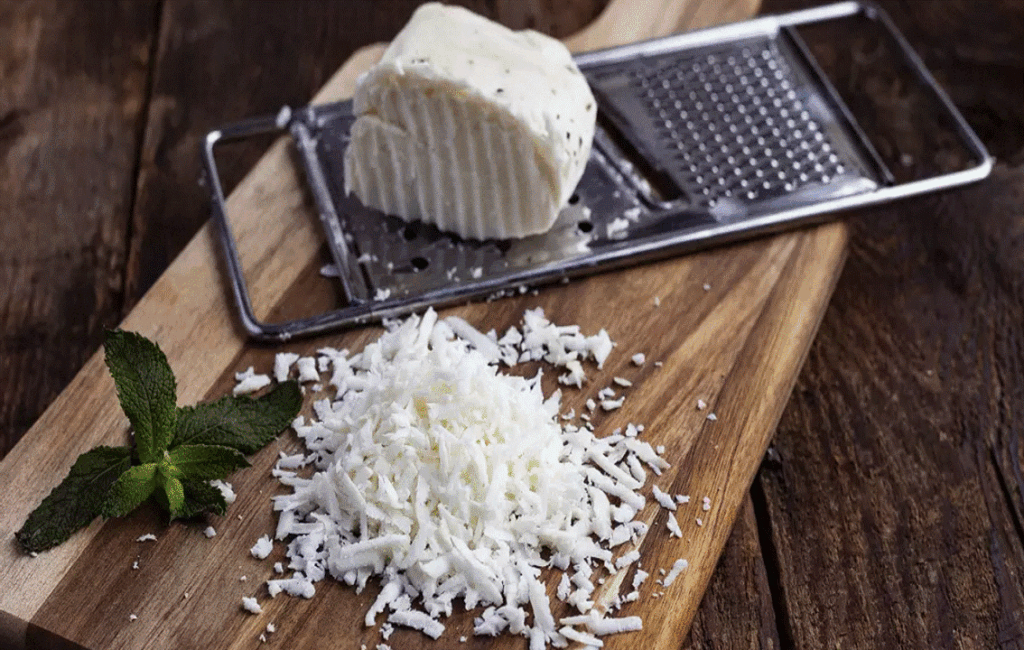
449	479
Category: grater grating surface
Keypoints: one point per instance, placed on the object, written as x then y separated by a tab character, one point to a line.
702	138
732	128
729	123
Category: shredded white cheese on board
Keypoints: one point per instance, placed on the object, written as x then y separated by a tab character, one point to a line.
447	479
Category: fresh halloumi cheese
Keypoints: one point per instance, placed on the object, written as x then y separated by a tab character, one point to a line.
478	129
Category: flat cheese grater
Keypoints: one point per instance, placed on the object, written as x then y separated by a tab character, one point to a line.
703	138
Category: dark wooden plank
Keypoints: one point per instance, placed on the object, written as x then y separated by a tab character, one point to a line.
891	527
895	501
737	610
72	92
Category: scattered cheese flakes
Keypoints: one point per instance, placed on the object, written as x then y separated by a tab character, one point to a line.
297	586
700	522
226	490
135	565
133	617
243	578
250	605
606	626
307	370
682	498
638	359
621	381
677	568
707	504
210	532
627	559
148	537
673	526
282	364
663	499
707	287
262	548
639	577
249	382
418	620
581	637
612	404
271	628
657	301
712	417
701	405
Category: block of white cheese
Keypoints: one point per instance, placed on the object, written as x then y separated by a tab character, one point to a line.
468	125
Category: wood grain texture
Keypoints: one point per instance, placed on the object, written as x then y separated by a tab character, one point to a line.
895	500
737	609
72	92
920	464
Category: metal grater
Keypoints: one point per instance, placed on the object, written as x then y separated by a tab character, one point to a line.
702	138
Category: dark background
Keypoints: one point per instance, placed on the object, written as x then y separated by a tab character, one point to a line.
889	512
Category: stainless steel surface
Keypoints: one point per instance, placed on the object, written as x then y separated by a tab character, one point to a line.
703	138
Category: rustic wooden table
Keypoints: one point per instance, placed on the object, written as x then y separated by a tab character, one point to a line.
889	511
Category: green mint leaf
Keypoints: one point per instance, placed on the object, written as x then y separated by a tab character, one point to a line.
78	499
201	497
145	388
242	422
130	490
204	462
173	492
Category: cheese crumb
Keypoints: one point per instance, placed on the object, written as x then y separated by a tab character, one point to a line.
262	548
664	500
712	417
707	503
226	490
673	526
148	537
282	364
249	382
701	405
677	568
133	617
210	532
250	605
639	358
307	370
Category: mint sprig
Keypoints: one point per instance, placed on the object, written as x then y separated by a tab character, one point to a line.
177	450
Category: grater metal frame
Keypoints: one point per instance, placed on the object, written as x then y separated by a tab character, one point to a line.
617	218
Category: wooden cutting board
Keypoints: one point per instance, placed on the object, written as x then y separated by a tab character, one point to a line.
732	329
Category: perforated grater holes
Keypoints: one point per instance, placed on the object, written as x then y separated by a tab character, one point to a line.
725	124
